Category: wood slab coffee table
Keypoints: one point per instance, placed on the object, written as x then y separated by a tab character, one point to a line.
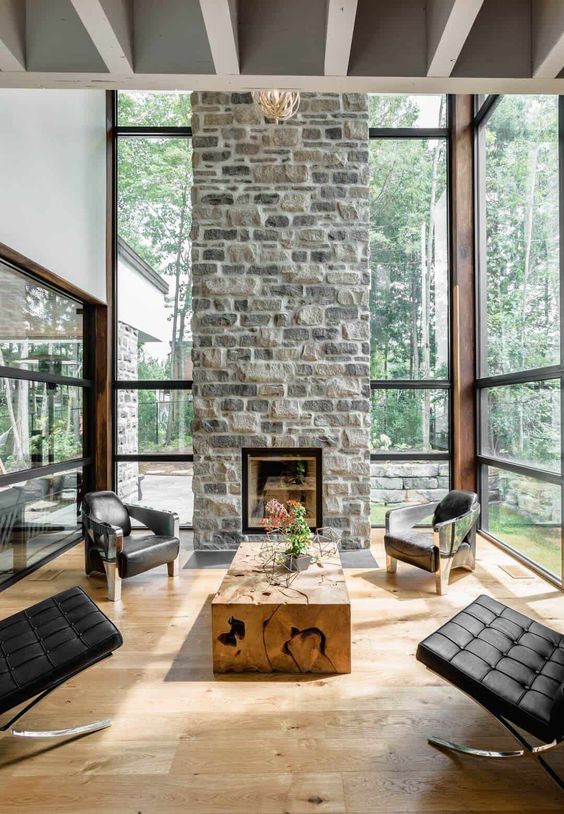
304	627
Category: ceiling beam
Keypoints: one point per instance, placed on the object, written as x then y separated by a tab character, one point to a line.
448	24
548	38
220	19
109	25
341	16
12	35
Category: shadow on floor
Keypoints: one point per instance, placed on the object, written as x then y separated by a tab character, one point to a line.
222	558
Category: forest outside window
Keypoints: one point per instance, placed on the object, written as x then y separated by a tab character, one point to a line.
409	301
153	373
520	373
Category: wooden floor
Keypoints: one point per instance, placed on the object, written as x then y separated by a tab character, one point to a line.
184	742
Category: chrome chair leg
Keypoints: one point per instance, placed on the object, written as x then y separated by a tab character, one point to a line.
391	564
114	581
442	575
528	751
469	750
75	731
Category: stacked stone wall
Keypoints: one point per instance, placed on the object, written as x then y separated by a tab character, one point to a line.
281	285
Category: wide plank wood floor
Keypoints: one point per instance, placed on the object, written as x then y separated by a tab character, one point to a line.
184	742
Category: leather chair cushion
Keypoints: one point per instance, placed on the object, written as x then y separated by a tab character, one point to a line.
49	642
414	547
108	508
506	661
141	553
455	504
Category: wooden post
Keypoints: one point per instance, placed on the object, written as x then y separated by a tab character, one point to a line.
103	331
463	295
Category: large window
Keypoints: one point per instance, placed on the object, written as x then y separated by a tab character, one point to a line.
409	301
520	370
43	432
153	367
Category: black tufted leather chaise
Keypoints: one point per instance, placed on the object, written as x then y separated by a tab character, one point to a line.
44	645
111	548
508	663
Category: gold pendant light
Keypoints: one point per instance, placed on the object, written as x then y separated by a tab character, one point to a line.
279	105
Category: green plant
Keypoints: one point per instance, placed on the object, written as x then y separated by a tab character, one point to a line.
289	519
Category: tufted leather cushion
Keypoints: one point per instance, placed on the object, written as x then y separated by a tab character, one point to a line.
416	548
148	551
455	504
106	507
506	661
49	642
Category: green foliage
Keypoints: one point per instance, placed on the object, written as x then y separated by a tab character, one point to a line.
522	234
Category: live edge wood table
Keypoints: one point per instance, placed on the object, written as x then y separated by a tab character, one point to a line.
264	628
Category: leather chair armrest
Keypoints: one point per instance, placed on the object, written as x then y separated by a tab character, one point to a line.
160	522
406	517
107	539
450	533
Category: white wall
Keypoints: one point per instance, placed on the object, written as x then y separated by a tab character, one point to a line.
53	181
141	305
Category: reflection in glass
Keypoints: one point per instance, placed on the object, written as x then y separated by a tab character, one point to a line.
410	420
166	485
40	424
520	145
154	421
37	518
154	220
405	483
154	109
523	423
409	259
525	514
40	330
401	110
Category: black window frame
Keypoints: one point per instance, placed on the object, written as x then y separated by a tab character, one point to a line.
426	134
143	131
86	383
549	372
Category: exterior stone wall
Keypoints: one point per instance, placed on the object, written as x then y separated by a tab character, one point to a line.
408	481
127	360
280	295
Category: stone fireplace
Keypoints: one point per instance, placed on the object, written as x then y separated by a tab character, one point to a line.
282	475
280	299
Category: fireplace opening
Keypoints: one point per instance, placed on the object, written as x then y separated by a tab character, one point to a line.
281	474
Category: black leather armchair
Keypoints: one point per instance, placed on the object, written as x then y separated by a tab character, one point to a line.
110	547
451	543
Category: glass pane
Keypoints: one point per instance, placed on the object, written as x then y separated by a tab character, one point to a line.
523	423
525	513
410	420
154	421
521	223
40	329
405	483
37	518
150	109
399	110
166	485
154	219
39	424
409	259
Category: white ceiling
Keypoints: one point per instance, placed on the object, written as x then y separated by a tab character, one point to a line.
477	46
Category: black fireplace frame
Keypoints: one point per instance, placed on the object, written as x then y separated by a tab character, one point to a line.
275	452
